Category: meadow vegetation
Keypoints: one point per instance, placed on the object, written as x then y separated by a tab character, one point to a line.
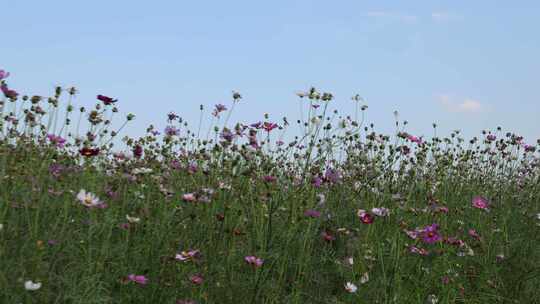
320	210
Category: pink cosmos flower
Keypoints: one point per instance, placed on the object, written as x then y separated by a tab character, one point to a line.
415	139
269	178
9	93
430	234
189	197
327	236
58	141
480	203
474	234
3	74
187	255
139	279
417	250
254	261
312	213
196	279
269	126
413	234
365	217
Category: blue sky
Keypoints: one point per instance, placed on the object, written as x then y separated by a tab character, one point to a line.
468	65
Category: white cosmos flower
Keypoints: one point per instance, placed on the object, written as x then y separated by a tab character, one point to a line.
365	278
380	211
88	199
350	287
29	285
132	219
142	170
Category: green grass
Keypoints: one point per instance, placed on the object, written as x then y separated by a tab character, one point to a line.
84	255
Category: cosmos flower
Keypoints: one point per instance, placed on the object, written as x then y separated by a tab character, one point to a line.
171	131
9	93
89	199
350	287
218	109
3	74
381	211
58	141
132	220
312	213
254	261
106	100
187	255
480	203
89	152
31	286
418	250
268	126
139	279
327	236
196	279
365	217
430	234
189	197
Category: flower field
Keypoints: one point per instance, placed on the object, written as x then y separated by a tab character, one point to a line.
320	210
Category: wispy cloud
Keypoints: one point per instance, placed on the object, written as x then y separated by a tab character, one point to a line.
466	105
392	15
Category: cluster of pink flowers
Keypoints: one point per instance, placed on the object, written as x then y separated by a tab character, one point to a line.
57	140
254	261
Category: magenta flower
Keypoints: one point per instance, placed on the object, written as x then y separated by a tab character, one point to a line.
480	202
327	236
316	181
365	217
106	100
9	93
171	131
415	139
254	261
218	109
312	213
196	279
139	279
430	234
58	141
269	126
269	178
3	74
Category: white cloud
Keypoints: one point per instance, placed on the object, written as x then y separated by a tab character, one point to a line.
467	105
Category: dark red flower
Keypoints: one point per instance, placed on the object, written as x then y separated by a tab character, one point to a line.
106	100
88	152
138	151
